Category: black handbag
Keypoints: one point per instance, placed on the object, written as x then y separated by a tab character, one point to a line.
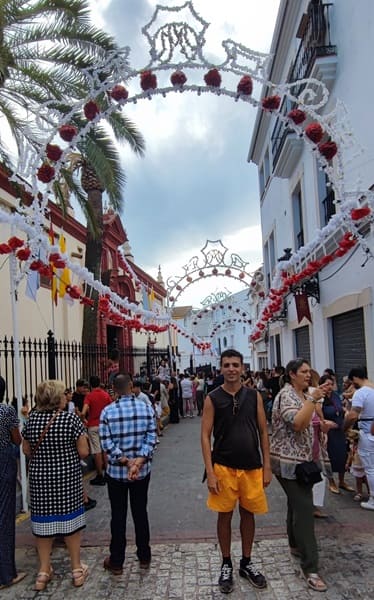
308	473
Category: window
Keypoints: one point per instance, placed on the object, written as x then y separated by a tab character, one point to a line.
297	212
261	179
269	258
326	198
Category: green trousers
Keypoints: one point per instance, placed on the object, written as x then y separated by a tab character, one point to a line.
300	523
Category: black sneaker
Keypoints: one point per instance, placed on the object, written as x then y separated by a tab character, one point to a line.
98	481
225	582
253	575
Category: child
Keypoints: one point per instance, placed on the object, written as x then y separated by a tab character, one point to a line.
355	465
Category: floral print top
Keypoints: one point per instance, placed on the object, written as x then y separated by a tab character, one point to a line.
288	447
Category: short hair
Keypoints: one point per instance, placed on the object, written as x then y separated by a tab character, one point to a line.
137	383
324	378
122	382
81	383
49	394
359	372
231	353
94	381
293	366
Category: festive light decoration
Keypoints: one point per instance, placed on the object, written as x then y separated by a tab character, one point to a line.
165	41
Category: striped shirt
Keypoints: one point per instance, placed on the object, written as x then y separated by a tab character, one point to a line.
127	428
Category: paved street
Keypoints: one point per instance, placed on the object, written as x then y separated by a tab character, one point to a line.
186	559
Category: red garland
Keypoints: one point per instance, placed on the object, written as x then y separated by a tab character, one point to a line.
5	249
53	152
148	81
314	132
73	291
67	132
178	78
245	85
213	78
297	116
45	173
91	110
15	242
328	150
360	213
271	102
23	254
119	92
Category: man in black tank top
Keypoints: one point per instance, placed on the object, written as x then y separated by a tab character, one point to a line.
238	468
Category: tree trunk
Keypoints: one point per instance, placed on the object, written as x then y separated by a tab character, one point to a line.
93	255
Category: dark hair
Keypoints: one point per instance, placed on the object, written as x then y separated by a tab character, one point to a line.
329	371
2	388
94	381
122	382
81	383
292	367
359	372
113	354
231	353
137	383
325	378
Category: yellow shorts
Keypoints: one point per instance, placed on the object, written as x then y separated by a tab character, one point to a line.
237	484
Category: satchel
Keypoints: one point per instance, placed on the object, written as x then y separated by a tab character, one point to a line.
308	473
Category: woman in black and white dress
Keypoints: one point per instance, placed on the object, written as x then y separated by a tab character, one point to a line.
55	441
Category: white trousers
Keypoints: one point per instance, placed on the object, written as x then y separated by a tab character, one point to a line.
319	492
366	453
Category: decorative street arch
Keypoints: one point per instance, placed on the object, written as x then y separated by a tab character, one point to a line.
212	262
176	50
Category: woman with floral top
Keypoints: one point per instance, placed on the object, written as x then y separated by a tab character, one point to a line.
292	444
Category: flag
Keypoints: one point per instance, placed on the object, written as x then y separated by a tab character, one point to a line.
151	298
32	284
302	307
54	294
64	274
145	298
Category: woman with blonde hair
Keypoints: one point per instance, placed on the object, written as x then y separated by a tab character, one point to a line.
55	441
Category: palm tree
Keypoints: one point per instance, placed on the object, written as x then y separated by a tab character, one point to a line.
44	47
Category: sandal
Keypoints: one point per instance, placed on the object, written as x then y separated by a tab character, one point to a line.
315	582
79	575
359	497
21	575
346	487
42	580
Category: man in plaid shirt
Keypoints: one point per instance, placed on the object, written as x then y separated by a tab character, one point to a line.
128	436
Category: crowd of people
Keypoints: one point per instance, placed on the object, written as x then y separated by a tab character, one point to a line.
315	433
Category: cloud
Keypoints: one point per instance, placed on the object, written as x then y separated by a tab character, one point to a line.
194	182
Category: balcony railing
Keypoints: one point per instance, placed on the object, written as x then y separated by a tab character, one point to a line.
315	42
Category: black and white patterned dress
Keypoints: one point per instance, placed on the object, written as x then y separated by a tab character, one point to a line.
55	476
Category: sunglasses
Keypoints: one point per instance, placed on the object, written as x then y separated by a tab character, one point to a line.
235	405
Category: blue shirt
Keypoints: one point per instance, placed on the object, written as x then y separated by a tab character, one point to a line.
127	428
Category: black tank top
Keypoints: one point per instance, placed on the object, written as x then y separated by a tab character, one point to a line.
236	437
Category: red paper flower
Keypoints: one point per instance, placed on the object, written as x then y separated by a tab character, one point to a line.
215	271
36	264
213	78
45	270
297	116
90	110
189	279
73	291
23	254
228	272
360	213
68	132
45	173
201	274
148	81
245	85
15	242
328	150
241	275
86	301
5	249
53	152
325	260
119	92
314	132
178	78
271	102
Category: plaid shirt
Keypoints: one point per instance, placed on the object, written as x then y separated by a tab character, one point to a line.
127	428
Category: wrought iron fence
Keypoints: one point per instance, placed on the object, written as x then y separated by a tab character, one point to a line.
41	359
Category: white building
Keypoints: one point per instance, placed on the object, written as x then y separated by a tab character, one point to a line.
332	42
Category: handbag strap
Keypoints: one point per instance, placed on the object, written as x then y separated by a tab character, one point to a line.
44	433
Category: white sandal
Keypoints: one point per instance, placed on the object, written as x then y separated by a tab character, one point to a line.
315	582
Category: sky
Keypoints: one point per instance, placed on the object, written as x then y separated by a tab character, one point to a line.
194	182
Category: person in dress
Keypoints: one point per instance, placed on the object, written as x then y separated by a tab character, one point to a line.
10	438
55	441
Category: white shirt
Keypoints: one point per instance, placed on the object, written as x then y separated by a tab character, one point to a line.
186	386
364	399
144	397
